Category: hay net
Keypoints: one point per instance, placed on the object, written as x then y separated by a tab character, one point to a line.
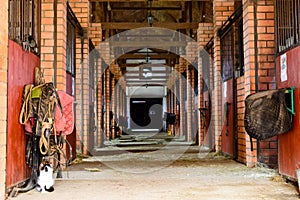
266	114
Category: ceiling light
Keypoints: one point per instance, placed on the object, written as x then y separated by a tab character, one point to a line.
150	17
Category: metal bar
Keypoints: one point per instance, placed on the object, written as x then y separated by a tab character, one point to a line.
292	109
231	19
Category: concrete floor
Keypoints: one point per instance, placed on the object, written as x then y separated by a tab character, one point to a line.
170	173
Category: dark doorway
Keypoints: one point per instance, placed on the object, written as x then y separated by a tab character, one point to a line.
146	113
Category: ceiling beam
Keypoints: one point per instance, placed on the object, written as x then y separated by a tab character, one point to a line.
145	84
168	25
145	81
145	8
142	56
144	0
152	77
144	65
148	44
153	72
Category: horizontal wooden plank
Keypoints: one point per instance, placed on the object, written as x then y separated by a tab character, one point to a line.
115	8
161	56
149	44
168	25
144	0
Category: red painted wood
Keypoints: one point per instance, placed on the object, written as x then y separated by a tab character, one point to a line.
289	143
20	72
227	140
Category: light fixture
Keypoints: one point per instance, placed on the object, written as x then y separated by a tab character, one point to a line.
108	6
150	17
147	74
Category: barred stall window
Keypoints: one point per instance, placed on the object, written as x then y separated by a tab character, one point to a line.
25	23
71	46
287	24
232	48
239	48
227	55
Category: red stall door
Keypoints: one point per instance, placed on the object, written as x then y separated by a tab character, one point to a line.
20	72
228	129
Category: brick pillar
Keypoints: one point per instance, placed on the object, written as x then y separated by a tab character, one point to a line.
221	11
117	104
80	9
107	101
177	107
194	122
99	111
174	106
249	63
189	91
172	128
121	104
265	64
204	34
191	56
182	91
241	157
3	97
95	35
113	106
168	100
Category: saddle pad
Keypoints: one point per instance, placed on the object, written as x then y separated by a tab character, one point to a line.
64	121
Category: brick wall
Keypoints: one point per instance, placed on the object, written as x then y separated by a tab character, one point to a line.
267	149
95	33
3	93
204	34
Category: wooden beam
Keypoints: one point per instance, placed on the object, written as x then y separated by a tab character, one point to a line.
168	25
143	81
148	44
143	65
153	76
144	0
146	84
142	56
113	8
155	72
